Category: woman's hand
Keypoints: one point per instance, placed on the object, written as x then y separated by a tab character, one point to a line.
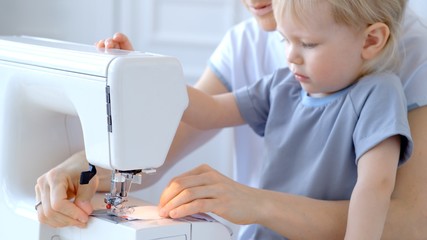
118	41
204	189
56	188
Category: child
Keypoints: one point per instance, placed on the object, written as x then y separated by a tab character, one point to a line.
335	111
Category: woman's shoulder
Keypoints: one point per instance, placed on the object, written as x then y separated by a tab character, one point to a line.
413	48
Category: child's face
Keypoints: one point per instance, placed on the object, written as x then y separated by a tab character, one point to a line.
324	56
263	13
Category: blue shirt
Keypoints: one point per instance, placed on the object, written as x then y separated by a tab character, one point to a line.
313	144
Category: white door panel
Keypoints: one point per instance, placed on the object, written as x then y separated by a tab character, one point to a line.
187	29
77	20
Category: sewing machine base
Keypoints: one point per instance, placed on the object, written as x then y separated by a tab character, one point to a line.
23	224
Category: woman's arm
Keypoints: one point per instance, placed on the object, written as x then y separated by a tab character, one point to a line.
204	189
297	217
370	199
407	216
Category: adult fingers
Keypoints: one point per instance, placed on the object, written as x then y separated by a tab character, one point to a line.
118	41
190	201
199	190
85	194
100	44
186	180
110	43
199	170
123	41
47	215
106	44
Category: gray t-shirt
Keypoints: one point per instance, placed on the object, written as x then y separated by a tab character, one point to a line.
313	144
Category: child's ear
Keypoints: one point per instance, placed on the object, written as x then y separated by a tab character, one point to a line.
376	36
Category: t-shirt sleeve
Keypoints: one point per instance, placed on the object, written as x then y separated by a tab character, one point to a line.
413	61
221	61
382	114
416	88
254	104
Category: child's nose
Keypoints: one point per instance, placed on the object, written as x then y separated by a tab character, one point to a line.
293	56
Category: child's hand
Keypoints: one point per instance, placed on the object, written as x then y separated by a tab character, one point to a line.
118	41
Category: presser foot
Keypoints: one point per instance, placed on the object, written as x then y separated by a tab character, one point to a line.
115	205
111	216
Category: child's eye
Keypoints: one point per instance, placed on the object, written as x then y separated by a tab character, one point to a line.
309	45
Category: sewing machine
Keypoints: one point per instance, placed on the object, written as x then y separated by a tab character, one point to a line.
121	107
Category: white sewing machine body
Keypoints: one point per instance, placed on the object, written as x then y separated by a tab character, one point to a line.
57	98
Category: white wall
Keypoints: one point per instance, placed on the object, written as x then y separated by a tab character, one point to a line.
78	20
188	29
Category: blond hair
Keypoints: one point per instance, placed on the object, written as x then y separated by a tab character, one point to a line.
357	14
